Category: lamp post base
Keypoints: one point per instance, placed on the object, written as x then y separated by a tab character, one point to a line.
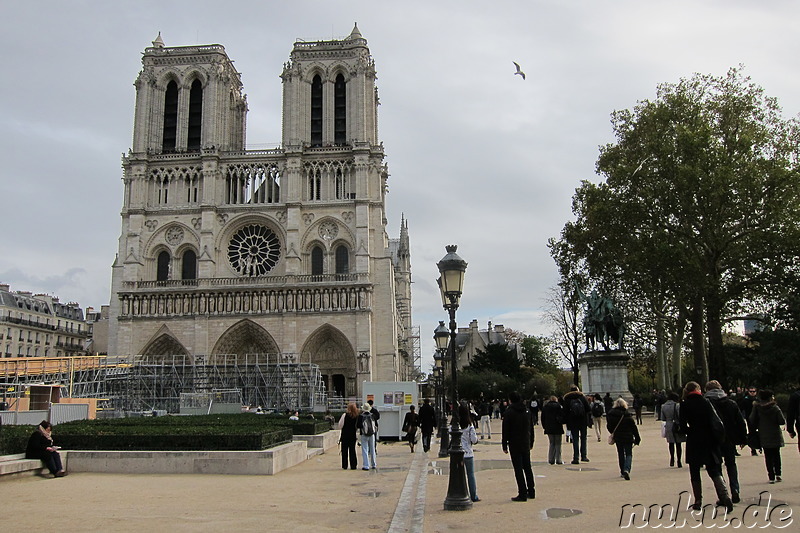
457	492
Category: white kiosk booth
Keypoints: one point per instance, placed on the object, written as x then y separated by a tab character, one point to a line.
392	399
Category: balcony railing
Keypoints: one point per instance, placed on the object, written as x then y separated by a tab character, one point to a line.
262	281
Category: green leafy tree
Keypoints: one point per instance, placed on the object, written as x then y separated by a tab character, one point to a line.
497	357
699	212
536	353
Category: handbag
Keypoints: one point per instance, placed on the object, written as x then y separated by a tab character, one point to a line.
664	430
611	437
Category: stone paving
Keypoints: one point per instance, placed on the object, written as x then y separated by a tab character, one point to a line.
405	493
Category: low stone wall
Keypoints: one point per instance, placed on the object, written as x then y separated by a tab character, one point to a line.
324	441
260	462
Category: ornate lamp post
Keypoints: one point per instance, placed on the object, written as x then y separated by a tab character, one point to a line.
452	269
442	336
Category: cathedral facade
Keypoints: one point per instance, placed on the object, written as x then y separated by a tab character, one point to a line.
227	252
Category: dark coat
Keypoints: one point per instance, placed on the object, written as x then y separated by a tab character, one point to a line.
767	419
427	418
626	432
553	418
37	446
572	421
701	446
348	433
732	419
517	433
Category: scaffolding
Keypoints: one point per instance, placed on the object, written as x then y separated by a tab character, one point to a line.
271	381
136	384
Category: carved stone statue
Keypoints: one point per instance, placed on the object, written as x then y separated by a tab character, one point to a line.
602	322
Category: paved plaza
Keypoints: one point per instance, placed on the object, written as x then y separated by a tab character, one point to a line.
404	494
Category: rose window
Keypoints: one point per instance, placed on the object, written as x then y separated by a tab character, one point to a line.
254	250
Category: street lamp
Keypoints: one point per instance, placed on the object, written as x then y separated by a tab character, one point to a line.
442	335
451	282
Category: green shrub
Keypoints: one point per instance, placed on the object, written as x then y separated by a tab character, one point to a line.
14	439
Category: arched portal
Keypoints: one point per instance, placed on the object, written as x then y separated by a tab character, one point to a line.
244	338
163	344
330	349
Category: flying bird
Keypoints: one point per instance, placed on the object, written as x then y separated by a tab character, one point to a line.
518	70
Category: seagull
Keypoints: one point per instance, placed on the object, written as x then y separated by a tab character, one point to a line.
518	70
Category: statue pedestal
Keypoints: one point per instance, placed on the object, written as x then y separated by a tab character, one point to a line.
605	371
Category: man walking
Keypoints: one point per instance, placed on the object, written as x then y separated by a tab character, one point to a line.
485	412
735	431
577	410
427	422
746	406
518	441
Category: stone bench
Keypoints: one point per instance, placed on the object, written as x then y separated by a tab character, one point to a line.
13	466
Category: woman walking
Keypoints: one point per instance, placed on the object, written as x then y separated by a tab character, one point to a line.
767	419
553	424
468	438
410	425
671	414
347	436
621	425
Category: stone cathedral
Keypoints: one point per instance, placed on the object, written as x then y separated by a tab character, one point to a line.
227	252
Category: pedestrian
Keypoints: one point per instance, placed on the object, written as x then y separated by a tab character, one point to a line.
553	425
535	410
410	425
702	445
638	403
735	432
670	413
376	416
746	406
625	434
576	407
368	429
597	411
468	438
793	415
767	419
427	423
608	402
485	412
347	436
517	441
40	446
496	409
659	398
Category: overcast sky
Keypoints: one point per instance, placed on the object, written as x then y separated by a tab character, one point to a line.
477	156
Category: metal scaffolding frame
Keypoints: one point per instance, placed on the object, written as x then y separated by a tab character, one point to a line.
81	376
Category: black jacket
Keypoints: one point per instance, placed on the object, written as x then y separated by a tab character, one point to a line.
620	422
348	433
572	421
701	446
731	416
793	413
427	418
517	434
37	446
553	418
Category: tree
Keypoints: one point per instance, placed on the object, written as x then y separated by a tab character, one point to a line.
699	212
563	312
536	353
497	357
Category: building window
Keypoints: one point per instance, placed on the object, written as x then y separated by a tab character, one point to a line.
314	184
195	116
170	118
342	260
340	111
189	265
316	111
317	268
162	272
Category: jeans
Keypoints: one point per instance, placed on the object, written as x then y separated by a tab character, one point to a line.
554	451
521	460
486	426
426	441
625	456
52	461
368	452
469	464
578	442
729	455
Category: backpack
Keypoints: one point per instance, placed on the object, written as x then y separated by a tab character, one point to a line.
367	425
597	409
576	409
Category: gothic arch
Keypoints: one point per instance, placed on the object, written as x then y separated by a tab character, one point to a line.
159	240
332	351
336	69
312	235
245	337
195	74
171	74
163	343
233	227
313	70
